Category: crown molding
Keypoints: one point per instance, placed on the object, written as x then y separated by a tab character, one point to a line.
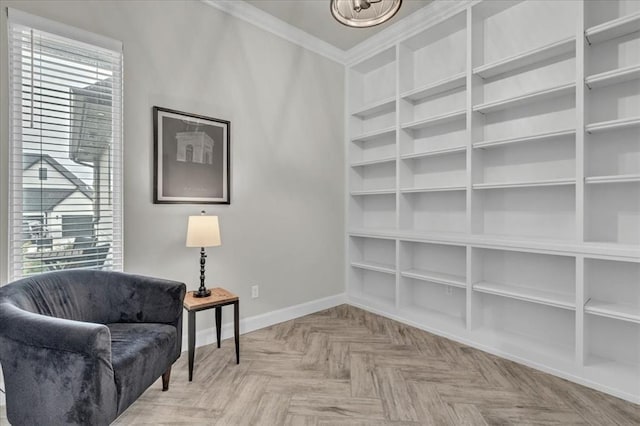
261	19
429	15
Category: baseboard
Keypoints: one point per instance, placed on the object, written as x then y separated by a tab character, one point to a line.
207	336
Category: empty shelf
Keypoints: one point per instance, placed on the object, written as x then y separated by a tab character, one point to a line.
613	179
435	188
454	82
374	266
613	310
374	134
545	297
536	96
373	162
373	191
621	123
436	277
540	137
434	153
525	184
375	108
612	77
526	58
435	120
613	29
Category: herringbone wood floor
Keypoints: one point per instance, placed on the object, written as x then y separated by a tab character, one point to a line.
349	367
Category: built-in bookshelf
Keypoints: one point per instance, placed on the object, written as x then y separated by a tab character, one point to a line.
494	184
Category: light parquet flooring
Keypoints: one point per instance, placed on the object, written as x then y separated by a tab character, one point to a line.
346	366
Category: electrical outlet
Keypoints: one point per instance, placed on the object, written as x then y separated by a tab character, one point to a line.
255	292
448	291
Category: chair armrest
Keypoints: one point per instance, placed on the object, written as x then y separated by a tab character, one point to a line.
56	371
37	330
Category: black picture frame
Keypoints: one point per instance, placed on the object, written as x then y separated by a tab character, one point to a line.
192	158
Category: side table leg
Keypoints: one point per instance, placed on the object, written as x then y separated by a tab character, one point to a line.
236	326
192	341
218	323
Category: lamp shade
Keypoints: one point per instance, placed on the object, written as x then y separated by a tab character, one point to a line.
203	231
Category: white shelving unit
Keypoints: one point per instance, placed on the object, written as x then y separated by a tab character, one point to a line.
494	184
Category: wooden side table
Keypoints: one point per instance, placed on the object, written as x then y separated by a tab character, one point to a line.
219	298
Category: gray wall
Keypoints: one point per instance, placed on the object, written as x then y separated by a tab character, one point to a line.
285	225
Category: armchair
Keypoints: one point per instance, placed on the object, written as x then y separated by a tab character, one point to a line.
80	346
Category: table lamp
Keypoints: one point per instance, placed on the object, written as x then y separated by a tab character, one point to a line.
203	231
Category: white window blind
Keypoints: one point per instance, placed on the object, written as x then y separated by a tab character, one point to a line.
65	161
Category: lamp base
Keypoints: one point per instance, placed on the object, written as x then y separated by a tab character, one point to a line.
202	292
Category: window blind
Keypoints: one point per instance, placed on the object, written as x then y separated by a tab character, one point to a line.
65	154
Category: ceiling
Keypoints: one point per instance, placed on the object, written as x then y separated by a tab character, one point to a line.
314	17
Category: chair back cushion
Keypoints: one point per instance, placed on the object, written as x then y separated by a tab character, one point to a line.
91	295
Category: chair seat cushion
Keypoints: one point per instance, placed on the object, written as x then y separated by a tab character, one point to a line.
140	353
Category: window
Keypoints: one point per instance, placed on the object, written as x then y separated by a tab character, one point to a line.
65	148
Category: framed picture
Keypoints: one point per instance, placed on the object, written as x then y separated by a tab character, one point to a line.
192	161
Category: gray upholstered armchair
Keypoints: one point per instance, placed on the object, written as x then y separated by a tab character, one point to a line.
80	346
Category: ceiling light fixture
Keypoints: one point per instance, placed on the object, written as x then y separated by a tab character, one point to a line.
364	13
